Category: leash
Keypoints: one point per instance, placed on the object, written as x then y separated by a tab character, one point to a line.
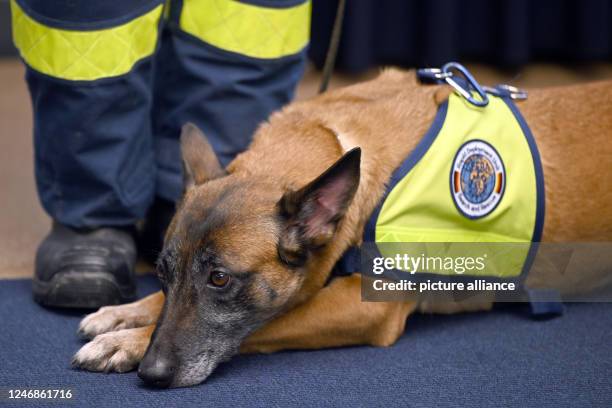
332	50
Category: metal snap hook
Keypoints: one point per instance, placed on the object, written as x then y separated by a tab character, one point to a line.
514	92
471	83
432	75
509	91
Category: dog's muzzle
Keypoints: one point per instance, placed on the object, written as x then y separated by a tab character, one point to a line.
157	371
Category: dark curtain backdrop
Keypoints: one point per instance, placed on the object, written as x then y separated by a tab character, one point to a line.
506	33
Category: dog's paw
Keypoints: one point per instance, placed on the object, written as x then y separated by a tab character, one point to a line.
118	351
113	318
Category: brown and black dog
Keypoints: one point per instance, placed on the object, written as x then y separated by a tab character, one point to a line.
250	249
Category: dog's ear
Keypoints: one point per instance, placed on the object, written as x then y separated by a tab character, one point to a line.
313	212
200	162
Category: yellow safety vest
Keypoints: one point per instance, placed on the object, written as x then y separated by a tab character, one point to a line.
475	177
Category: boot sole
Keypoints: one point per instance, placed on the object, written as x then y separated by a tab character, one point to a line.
82	290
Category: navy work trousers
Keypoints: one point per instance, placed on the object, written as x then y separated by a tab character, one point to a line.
113	82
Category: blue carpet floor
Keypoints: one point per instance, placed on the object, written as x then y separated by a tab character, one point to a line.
484	359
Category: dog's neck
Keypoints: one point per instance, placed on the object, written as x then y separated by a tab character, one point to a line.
345	142
385	117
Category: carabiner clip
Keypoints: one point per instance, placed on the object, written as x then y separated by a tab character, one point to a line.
447	70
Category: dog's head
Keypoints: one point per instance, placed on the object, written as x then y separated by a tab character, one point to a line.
235	255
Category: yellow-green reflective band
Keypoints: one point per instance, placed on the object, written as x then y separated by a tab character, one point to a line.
254	31
84	55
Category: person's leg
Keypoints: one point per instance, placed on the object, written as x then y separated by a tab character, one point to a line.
89	72
223	65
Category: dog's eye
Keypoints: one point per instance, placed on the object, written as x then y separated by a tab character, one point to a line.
219	279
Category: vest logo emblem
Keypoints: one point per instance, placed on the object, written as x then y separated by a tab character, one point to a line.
478	179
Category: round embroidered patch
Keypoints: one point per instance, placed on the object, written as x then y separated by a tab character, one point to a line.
478	179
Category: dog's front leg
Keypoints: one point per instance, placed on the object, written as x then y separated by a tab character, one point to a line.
118	351
334	317
141	313
121	335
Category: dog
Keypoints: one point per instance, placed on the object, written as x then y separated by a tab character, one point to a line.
248	255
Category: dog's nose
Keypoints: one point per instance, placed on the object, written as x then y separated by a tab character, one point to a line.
158	371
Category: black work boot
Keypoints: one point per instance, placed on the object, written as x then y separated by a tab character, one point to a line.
85	269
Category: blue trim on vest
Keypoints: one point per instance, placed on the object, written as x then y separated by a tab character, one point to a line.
553	306
350	262
539	172
536	236
407	165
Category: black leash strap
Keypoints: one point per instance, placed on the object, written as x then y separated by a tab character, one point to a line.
332	51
